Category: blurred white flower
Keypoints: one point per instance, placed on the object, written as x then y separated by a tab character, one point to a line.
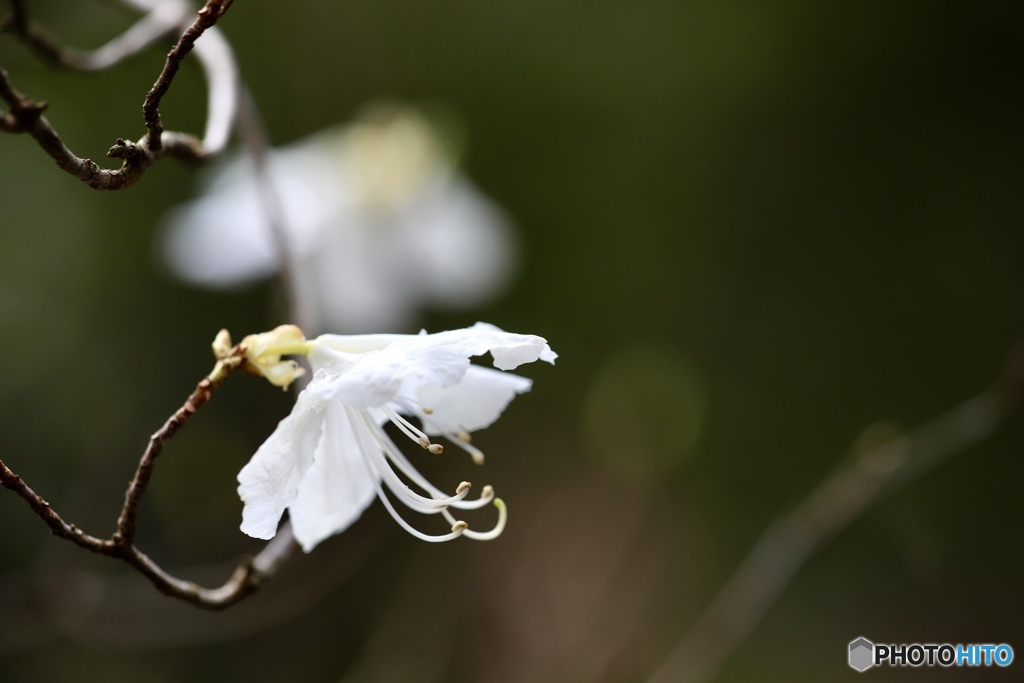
380	223
328	458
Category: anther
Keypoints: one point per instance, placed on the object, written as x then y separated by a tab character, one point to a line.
484	535
461	439
407	427
435	448
407	403
465	485
459	527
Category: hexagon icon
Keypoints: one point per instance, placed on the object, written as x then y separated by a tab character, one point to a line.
862	654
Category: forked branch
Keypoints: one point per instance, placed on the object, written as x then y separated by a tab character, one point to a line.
247	577
25	115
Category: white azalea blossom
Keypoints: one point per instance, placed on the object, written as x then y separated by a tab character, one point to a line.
379	222
327	460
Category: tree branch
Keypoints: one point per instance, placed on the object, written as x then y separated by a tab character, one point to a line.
127	520
792	538
247	577
25	115
207	17
159	22
58	526
17	20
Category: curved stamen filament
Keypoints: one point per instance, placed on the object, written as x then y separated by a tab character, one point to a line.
405	467
409	497
411	404
380	453
461	439
486	496
458	527
410	430
485	535
370	448
375	445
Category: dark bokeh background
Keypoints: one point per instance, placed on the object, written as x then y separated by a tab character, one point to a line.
750	229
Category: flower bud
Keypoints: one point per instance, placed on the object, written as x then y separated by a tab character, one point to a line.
263	354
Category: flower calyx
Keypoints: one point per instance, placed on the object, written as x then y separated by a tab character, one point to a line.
260	354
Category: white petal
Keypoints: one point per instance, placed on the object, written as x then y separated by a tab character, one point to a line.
408	362
509	350
219	240
270	481
222	238
463	246
337	488
359	274
474	403
376	377
350	344
471	341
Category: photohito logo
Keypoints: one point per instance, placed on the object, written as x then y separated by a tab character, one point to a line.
863	654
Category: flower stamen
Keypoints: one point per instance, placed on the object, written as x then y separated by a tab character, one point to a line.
458	527
405	467
411	431
380	453
486	535
376	474
461	439
408	404
486	496
378	449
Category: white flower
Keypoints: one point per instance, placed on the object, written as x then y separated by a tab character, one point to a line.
379	222
325	461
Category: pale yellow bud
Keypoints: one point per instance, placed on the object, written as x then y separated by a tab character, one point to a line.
222	344
263	354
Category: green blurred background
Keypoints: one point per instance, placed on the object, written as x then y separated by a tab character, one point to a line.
750	230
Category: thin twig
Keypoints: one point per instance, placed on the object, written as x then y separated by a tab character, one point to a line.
160	21
162	17
835	504
246	578
207	17
26	115
17	20
127	520
58	526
